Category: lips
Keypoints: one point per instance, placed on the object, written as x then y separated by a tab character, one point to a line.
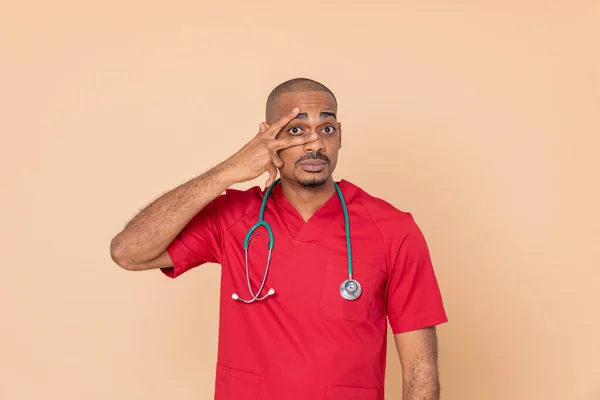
313	165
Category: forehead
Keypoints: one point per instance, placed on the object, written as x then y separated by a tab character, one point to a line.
308	102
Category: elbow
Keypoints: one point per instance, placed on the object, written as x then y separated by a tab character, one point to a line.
118	254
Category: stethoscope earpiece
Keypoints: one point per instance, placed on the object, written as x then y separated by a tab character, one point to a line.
235	296
350	289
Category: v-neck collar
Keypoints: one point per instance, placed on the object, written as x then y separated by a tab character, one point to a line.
312	229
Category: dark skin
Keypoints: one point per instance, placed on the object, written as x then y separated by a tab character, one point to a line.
307	191
283	143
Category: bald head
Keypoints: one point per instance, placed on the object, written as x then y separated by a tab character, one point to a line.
296	85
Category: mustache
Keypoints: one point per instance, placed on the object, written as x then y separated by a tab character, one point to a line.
313	156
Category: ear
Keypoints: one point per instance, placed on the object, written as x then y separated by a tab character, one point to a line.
339	124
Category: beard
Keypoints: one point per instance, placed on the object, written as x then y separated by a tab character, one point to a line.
311	182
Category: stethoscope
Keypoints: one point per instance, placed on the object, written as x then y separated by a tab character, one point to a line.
350	289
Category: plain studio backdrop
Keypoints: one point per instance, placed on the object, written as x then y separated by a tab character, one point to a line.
480	118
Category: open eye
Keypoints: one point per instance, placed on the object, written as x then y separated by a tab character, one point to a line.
329	129
295	130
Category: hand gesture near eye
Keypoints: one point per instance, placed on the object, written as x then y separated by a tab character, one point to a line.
259	155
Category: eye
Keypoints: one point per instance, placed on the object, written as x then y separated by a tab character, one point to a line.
329	129
295	130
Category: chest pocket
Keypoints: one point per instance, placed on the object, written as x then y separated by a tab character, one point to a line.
334	305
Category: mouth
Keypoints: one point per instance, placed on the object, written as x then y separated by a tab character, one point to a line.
313	165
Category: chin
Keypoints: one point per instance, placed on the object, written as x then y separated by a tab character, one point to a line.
312	180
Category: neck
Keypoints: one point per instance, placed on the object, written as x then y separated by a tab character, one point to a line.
307	200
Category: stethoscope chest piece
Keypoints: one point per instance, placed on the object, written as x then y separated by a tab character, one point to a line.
350	289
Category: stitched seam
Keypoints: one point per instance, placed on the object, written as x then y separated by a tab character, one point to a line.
378	230
238	219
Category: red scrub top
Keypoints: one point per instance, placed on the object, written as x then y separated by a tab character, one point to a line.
306	342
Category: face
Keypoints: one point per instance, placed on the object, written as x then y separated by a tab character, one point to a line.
311	164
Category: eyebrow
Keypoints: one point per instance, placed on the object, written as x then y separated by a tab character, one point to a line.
324	115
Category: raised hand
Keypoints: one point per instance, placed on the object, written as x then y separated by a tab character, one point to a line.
259	155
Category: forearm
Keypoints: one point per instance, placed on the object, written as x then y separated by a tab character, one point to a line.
421	382
151	231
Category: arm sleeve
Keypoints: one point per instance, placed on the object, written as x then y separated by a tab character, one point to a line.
414	299
198	243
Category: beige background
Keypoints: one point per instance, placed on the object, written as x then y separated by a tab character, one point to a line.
484	115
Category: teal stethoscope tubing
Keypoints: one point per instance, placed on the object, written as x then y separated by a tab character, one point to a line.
350	289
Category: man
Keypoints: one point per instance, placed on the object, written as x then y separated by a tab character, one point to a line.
306	338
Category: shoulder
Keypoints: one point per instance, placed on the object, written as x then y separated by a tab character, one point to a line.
392	221
235	203
235	197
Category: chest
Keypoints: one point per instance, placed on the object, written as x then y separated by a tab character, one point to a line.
307	272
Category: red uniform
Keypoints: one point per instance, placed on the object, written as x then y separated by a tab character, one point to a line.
306	342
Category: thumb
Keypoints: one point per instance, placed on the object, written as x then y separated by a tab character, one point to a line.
272	175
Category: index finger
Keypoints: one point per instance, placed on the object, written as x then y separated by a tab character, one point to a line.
290	141
274	129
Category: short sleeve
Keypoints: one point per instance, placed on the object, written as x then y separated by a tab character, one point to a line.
199	242
414	299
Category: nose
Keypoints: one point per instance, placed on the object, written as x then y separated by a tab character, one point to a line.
315	146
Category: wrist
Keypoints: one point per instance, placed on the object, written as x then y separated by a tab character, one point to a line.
225	175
